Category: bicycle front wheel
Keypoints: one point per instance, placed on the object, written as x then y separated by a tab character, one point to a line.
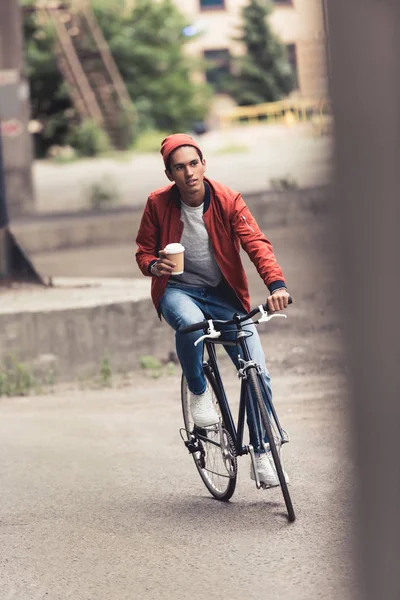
265	419
216	460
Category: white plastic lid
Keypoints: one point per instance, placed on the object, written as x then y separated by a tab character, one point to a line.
174	248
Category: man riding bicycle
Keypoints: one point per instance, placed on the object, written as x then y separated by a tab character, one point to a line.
211	221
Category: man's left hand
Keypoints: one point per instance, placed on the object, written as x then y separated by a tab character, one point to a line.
278	300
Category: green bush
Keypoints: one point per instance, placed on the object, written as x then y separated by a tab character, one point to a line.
149	141
89	139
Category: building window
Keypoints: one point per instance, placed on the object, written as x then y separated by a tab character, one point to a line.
212	4
292	58
218	65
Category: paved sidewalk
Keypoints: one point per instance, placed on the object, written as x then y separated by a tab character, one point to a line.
74	293
244	158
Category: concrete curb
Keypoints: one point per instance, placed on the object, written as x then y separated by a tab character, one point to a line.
61	232
48	233
77	337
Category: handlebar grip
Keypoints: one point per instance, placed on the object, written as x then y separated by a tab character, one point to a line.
195	327
290	301
265	307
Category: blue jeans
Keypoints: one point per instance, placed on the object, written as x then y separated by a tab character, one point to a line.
183	305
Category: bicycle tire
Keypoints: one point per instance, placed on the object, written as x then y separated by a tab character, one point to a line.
220	485
265	419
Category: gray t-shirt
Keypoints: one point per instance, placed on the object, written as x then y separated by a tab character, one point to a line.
201	268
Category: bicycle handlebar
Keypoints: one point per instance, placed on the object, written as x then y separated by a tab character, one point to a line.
205	324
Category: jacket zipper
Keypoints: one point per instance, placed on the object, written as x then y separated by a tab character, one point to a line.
246	223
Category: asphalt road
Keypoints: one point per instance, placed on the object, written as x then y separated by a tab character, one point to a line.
101	501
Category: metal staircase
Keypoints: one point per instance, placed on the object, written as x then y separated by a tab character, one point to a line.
84	58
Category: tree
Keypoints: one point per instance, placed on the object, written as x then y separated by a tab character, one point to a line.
263	73
148	46
50	102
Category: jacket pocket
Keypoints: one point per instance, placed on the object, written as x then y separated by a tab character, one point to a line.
243	218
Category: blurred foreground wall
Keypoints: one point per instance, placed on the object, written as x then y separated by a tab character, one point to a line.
365	52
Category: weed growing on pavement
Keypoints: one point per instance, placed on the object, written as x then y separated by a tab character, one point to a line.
282	184
105	373
16	378
170	368
103	194
154	368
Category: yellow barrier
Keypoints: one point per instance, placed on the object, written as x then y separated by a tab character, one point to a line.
284	111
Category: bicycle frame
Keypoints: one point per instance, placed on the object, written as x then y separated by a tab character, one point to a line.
245	403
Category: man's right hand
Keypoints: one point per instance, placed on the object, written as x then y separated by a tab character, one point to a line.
162	266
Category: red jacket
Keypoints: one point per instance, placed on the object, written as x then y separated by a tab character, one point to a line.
229	224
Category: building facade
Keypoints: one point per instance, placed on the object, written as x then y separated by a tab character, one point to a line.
298	23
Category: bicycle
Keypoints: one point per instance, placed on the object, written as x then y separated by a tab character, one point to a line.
215	449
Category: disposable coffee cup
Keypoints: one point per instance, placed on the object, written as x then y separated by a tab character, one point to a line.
175	253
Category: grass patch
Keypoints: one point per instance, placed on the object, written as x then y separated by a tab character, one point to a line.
154	368
18	378
232	149
149	141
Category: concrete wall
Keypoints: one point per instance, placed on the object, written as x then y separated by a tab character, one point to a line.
75	341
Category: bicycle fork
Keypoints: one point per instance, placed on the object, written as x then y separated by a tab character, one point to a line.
253	466
253	416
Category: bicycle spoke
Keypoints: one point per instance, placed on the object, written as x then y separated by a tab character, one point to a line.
219	480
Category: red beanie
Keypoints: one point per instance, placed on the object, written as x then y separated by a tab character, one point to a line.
172	142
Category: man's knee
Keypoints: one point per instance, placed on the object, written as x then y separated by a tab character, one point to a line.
186	320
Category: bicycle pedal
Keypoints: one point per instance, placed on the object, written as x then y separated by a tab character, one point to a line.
264	486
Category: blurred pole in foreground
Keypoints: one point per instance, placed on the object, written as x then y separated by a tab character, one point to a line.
365	89
15	149
4	268
15	112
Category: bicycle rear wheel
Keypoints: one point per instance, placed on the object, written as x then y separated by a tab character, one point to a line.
216	462
265	419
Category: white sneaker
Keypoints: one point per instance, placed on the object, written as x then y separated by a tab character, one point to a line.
266	470
203	410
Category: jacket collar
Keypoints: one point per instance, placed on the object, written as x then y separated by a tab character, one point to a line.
176	197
